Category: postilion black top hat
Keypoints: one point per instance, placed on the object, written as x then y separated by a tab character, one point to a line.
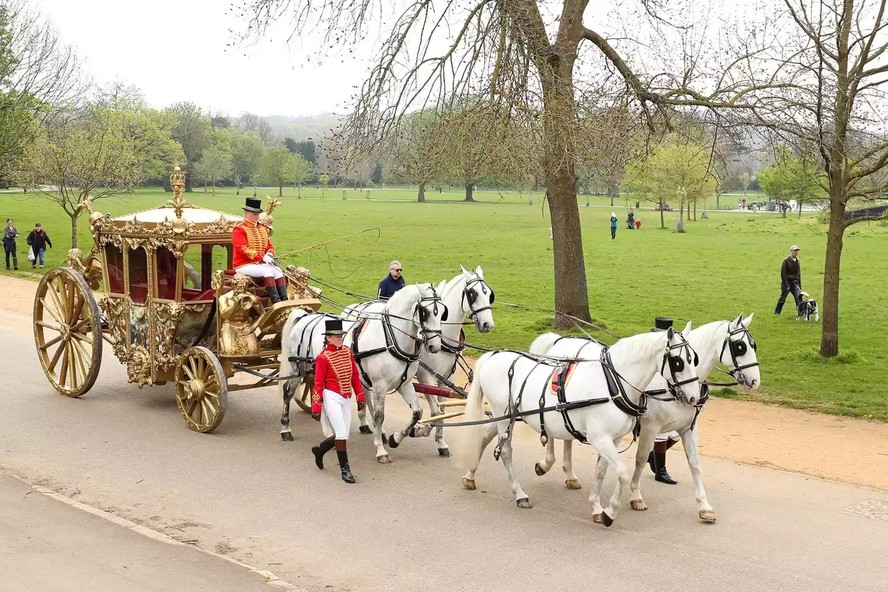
253	205
662	323
333	327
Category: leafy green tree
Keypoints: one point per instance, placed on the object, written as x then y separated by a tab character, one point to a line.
792	178
89	152
192	131
215	164
280	167
246	155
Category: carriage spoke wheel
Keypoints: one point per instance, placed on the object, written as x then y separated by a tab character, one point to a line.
67	331
201	389
303	397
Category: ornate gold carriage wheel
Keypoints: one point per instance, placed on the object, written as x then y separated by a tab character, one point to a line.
201	389
67	331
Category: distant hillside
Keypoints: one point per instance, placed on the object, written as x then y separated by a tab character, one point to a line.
314	127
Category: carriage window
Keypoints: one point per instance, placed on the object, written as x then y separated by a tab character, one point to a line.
201	260
114	265
167	270
138	274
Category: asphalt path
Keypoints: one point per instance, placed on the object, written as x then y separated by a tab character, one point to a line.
244	493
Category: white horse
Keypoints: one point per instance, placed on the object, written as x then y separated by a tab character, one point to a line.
727	342
386	341
466	295
597	400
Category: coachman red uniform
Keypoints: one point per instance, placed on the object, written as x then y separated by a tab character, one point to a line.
337	380
254	254
251	243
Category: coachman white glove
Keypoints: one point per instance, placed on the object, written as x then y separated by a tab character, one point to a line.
268	258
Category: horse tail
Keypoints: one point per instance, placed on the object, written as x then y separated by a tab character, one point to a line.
542	344
286	367
468	443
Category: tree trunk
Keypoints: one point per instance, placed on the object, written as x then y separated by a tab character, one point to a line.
800	208
281	189
421	195
74	217
829	305
695	210
206	184
662	217
470	190
571	295
679	224
717	202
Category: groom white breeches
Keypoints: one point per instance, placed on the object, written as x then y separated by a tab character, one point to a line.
337	415
260	270
667	436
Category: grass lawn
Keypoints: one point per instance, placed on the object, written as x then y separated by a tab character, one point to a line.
722	266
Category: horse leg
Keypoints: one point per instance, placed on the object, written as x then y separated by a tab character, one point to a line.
378	415
362	417
595	493
689	443
435	409
409	396
290	387
607	449
468	480
506	456
645	445
570	479
542	467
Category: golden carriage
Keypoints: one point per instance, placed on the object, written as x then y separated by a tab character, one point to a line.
170	307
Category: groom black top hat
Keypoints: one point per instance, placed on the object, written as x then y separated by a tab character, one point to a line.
662	323
253	205
333	327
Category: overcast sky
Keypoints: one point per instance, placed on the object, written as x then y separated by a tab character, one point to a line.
142	43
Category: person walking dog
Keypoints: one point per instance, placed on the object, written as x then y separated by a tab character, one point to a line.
790	279
9	235
38	239
336	380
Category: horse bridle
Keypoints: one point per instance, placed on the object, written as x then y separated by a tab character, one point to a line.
738	348
424	313
470	295
676	364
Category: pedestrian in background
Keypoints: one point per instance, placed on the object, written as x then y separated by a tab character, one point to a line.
38	239
392	282
790	279
9	235
614	221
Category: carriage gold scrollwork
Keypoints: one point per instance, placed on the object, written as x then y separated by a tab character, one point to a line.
158	272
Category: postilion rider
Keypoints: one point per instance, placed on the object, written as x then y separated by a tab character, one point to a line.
254	253
336	381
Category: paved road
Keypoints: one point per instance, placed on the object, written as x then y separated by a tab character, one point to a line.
243	492
48	545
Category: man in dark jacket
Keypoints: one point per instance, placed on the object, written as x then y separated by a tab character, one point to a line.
38	239
9	235
392	282
790	279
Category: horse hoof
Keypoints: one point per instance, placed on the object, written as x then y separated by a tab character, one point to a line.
606	520
385	459
707	516
445	452
638	505
524	503
365	429
539	470
596	518
391	442
469	484
572	484
286	436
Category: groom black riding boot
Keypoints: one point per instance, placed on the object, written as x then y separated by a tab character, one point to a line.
281	285
343	463
320	450
273	295
660	472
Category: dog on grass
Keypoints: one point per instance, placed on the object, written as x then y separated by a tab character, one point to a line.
807	308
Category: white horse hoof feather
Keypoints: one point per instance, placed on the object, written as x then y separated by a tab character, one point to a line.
524	503
638	505
596	518
539	470
572	484
469	484
385	459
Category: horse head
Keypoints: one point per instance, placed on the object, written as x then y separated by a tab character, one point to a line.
429	313
679	366
476	299
738	352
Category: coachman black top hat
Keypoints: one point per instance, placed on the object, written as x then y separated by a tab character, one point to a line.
662	323
253	205
333	327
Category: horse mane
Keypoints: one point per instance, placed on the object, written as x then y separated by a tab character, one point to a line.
709	335
641	345
451	285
